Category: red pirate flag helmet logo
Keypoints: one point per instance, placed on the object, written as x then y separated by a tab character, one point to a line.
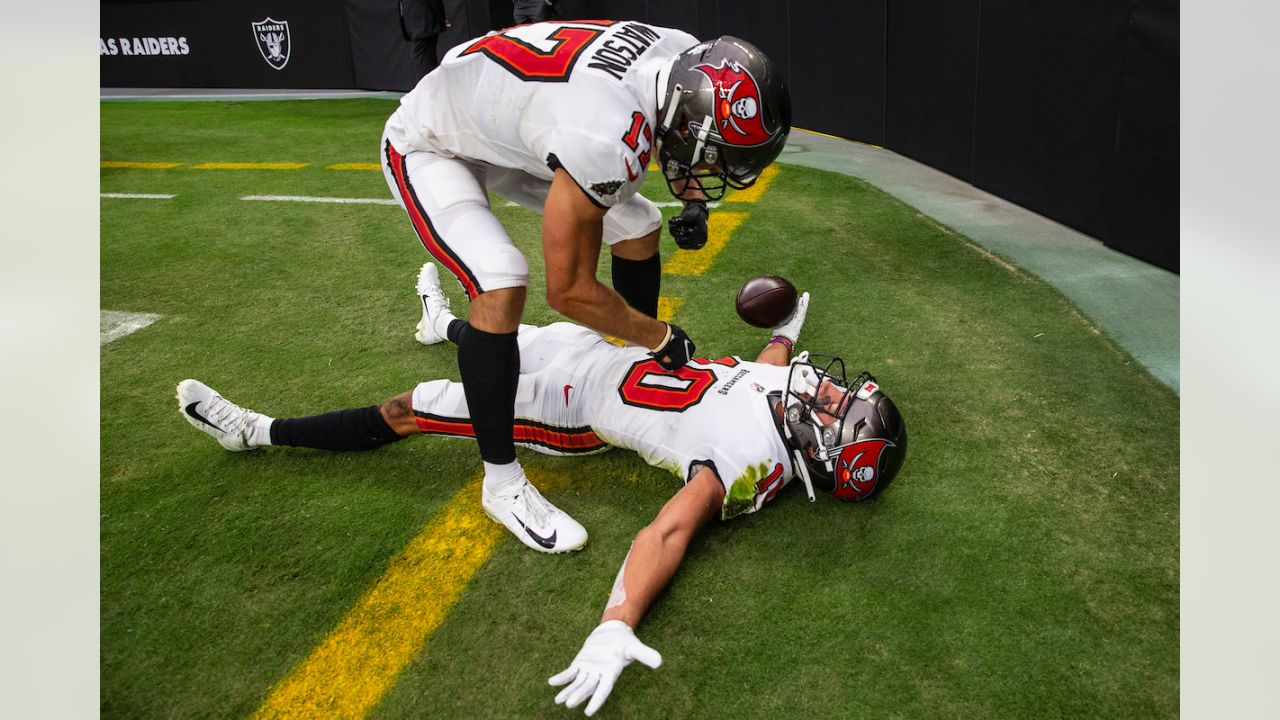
858	469
737	103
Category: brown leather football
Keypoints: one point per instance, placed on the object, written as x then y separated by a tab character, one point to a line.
766	301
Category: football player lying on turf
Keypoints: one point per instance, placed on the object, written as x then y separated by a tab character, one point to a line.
735	431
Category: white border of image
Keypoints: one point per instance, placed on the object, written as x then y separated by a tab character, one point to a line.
1230	644
49	362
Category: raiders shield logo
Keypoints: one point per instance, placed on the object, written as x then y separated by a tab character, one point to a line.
272	37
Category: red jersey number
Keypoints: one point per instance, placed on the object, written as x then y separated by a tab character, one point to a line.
770	485
639	131
531	63
648	385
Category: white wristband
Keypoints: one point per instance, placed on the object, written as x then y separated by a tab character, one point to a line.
665	339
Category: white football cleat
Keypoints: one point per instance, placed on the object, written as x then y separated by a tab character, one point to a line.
434	305
539	524
211	413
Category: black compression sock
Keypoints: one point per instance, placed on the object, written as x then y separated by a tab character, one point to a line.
454	330
360	429
638	282
490	368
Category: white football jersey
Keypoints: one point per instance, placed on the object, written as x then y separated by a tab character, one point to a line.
710	412
581	95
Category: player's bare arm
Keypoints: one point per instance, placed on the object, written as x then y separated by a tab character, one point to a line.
571	237
774	354
655	554
658	549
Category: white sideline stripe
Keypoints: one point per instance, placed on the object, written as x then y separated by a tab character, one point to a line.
115	324
304	198
136	196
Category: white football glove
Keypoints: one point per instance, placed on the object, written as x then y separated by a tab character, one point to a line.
608	649
791	328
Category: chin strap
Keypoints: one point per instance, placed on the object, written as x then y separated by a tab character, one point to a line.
665	125
799	382
675	95
660	85
707	123
803	471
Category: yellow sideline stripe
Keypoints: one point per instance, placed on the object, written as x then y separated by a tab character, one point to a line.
668	307
753	193
140	165
353	166
250	166
347	674
720	226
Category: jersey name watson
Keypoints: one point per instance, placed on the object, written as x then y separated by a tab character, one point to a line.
621	48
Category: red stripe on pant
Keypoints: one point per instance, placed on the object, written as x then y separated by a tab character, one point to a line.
426	231
526	432
567	441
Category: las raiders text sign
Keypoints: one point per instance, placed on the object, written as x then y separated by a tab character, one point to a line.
228	44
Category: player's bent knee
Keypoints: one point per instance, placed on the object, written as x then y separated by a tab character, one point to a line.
502	266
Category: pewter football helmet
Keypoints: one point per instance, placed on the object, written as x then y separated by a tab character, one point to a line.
724	114
847	439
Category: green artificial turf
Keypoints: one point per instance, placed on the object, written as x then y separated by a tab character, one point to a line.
1024	563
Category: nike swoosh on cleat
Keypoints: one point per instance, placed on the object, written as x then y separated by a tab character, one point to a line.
191	410
546	542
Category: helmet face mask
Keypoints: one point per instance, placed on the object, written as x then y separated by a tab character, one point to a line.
724	116
847	437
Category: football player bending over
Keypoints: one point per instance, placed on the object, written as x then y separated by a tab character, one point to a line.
565	118
735	431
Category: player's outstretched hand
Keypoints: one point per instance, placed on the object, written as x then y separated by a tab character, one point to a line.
689	228
791	328
608	649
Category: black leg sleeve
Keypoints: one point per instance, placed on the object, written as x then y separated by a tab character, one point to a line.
454	331
490	368
361	429
638	282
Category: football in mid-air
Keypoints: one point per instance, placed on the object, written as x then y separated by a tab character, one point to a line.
766	301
